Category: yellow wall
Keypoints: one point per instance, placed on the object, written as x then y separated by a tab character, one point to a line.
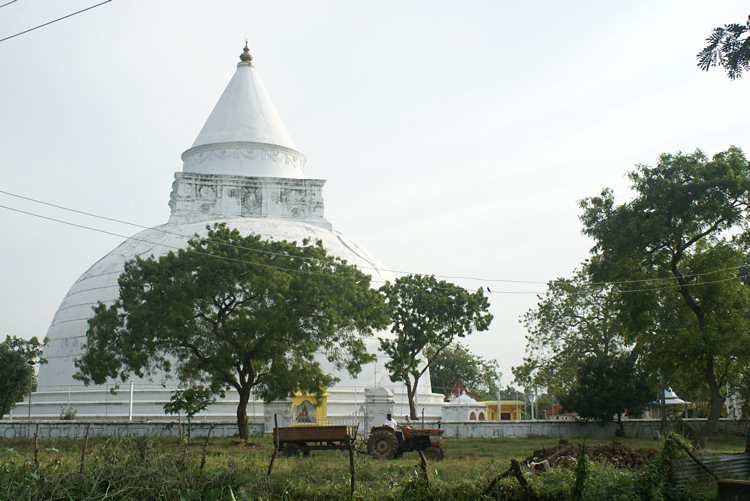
512	408
321	408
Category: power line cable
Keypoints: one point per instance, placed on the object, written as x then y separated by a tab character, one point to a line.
290	270
8	3
166	232
243	261
175	247
53	21
400	272
136	225
332	275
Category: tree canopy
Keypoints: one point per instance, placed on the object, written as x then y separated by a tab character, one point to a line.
17	375
676	252
574	319
427	315
605	387
233	311
728	47
457	363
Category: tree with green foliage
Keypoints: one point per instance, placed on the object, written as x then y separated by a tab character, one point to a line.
677	251
190	401
574	319
427	315
457	363
511	393
728	47
605	387
238	312
17	375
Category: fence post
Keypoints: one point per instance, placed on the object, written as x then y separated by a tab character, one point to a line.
275	446
36	446
350	446
85	443
423	468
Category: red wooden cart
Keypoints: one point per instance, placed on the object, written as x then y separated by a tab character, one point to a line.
296	440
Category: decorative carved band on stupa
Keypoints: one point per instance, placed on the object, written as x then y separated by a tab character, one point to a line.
244	158
203	197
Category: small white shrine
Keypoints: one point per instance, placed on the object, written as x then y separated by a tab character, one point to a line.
464	408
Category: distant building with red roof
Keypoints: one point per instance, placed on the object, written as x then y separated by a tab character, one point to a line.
459	390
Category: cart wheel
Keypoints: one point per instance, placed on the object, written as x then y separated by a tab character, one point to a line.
433	453
383	445
291	450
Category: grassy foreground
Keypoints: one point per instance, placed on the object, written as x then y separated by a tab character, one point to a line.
148	468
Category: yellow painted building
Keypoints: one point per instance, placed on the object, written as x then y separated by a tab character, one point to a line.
306	410
510	410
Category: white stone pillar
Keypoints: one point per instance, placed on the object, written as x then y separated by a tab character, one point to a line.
130	405
378	403
282	409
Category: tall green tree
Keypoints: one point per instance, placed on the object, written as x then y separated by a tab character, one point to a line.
17	375
457	363
728	47
607	387
676	248
236	312
427	315
574	319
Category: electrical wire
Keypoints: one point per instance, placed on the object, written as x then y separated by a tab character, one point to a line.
175	247
8	3
330	275
207	254
53	21
167	232
395	272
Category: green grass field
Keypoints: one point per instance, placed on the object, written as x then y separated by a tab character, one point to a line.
146	468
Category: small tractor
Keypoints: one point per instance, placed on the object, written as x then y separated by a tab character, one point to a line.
386	443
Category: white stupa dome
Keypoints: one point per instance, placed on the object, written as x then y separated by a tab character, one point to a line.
243	170
99	283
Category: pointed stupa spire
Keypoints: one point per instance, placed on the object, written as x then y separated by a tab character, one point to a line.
244	135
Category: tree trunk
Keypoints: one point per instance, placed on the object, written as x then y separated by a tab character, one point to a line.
717	403
242	414
411	390
619	423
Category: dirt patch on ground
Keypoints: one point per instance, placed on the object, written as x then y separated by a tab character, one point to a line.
620	456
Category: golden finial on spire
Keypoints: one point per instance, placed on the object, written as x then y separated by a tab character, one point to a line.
245	57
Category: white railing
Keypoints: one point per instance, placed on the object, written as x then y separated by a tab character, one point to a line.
139	400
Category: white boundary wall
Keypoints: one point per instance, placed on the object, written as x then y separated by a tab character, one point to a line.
77	429
646	428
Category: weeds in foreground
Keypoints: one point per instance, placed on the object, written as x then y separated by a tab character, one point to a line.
147	468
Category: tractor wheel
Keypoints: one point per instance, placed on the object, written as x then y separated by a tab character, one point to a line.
291	450
382	444
433	453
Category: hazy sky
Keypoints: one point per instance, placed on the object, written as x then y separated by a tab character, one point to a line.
456	137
